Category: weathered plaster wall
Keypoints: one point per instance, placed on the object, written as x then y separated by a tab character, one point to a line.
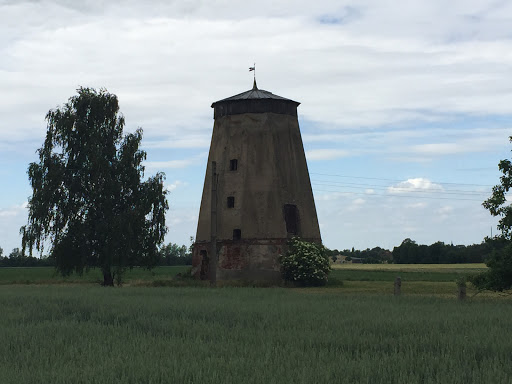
245	259
271	172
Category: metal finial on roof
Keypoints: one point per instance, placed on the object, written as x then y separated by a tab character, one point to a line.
253	69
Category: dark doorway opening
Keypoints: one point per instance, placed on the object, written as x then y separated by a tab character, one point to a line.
233	165
205	264
291	217
231	201
237	234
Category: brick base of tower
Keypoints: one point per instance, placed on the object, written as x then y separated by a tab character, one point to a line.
241	260
249	260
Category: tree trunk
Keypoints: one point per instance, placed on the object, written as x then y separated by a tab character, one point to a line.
108	279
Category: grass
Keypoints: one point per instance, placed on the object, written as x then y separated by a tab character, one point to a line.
61	330
376	275
355	278
48	275
164	275
458	268
88	334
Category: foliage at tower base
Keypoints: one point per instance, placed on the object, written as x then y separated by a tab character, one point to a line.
499	275
89	203
305	263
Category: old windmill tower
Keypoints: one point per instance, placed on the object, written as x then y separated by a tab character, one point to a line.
258	180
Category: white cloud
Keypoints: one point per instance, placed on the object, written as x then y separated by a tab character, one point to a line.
444	211
8	212
326	154
418	205
11	220
15	210
356	204
416	145
481	143
157	58
185	141
415	185
331	196
175	164
171	187
182	223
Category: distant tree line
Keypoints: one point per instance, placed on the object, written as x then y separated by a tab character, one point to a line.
167	255
440	253
17	259
409	252
375	255
174	254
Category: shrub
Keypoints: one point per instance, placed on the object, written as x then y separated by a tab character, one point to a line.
305	263
499	275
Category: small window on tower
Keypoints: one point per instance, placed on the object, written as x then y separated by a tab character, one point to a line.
237	234
231	201
233	165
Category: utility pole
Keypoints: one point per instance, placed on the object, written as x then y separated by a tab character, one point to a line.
213	228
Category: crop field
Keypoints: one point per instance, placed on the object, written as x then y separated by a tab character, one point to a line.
55	330
351	272
409	273
442	268
47	275
417	279
87	334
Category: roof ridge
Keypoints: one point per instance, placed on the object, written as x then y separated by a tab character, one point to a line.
252	94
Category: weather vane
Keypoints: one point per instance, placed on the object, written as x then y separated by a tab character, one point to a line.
253	69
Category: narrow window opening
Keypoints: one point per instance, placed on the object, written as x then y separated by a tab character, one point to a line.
205	264
291	217
231	201
233	165
237	234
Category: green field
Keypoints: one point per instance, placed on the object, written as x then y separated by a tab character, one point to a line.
48	275
460	268
344	272
407	272
56	330
357	278
87	334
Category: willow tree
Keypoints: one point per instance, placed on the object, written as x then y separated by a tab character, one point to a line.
90	205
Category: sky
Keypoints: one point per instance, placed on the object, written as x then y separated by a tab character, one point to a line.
406	107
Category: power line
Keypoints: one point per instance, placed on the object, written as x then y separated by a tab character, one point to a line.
402	189
395	180
395	196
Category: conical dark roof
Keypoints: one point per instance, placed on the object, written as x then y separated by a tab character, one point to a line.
254	101
254	94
